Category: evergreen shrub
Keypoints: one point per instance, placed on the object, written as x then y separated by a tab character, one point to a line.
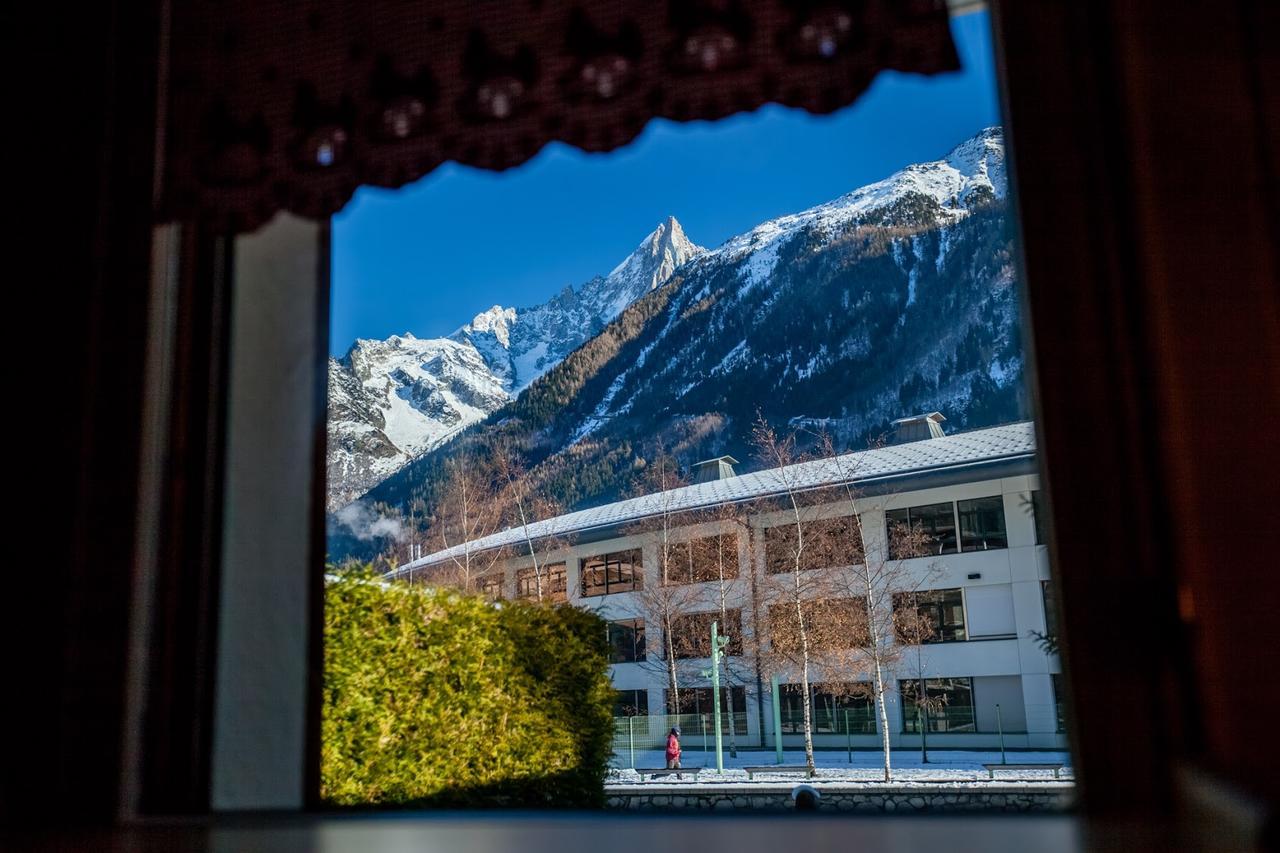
436	698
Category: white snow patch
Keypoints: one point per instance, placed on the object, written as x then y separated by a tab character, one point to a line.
739	353
917	249
958	768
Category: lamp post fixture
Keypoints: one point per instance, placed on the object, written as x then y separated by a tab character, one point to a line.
718	644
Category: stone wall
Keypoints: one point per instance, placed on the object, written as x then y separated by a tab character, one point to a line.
860	799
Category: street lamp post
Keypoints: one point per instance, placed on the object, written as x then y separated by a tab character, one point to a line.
717	649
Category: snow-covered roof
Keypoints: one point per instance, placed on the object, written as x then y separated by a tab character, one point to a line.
957	451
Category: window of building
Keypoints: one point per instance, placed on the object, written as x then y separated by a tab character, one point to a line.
555	583
691	633
938	616
832	624
1039	515
829	703
828	542
631	703
697	700
702	560
604	574
982	524
491	587
937	521
950	705
626	641
843	707
790	703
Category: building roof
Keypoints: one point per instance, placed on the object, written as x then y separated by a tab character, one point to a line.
894	464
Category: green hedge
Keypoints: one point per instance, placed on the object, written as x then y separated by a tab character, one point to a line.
434	698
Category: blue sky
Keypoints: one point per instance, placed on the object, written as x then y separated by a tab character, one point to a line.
427	257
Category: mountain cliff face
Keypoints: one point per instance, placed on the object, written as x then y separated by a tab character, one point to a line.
392	400
896	298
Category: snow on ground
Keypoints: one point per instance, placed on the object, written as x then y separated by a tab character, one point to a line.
946	766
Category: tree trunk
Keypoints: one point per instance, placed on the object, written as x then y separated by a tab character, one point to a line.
804	673
755	652
672	682
808	711
884	718
877	660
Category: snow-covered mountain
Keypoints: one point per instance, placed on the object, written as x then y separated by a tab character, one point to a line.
934	194
805	297
896	298
392	400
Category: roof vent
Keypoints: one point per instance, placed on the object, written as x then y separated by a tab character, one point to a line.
720	468
918	428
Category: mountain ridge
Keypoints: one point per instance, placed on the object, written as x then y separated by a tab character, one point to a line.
894	298
392	400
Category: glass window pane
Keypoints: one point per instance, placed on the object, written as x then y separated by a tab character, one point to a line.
791	704
491	587
938	616
982	524
948	607
626	640
779	548
631	703
840	704
593	577
609	573
948	706
938	521
554	583
827	542
557	582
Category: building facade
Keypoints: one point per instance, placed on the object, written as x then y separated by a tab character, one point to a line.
983	589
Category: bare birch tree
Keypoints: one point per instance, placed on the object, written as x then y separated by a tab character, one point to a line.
790	598
469	509
526	505
915	627
876	576
664	598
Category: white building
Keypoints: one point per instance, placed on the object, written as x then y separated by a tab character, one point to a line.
974	491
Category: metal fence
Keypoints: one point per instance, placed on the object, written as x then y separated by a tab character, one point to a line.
649	731
958	718
697	731
839	721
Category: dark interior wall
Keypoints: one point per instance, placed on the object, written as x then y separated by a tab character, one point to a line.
78	264
1144	136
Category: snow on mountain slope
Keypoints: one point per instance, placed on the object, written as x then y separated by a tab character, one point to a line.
392	400
424	392
973	171
896	298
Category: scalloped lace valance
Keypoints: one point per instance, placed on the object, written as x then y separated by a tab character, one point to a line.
278	105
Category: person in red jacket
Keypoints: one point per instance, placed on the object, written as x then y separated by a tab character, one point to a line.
673	749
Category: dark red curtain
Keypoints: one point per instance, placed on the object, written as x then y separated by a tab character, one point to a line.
282	105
